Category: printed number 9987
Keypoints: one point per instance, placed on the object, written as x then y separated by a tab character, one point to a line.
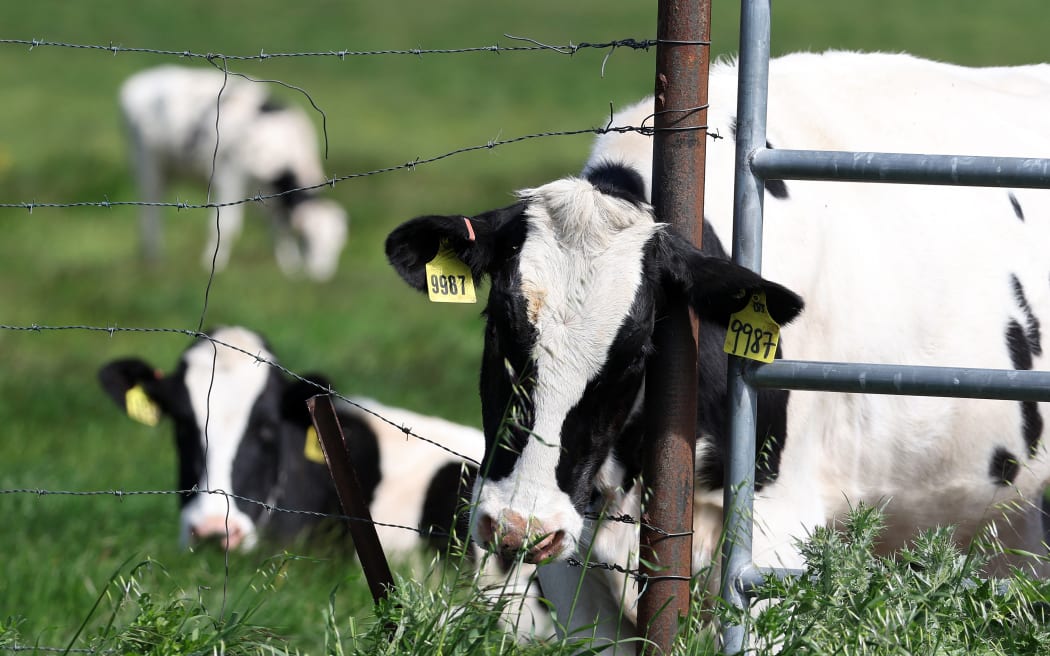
756	341
448	285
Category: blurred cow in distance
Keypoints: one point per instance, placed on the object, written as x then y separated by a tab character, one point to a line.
230	133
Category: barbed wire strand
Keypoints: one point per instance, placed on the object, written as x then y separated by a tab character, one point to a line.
321	389
568	49
272	508
268	507
331	182
19	647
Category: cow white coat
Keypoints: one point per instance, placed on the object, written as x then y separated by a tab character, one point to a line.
917	275
180	120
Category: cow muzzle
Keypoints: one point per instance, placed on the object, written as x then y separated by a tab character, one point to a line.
227	532
511	535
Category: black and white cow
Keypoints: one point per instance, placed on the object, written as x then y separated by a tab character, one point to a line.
263	147
579	270
242	427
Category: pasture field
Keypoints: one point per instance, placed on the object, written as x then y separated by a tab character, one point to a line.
61	141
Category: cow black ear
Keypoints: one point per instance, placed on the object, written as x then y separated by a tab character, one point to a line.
297	392
119	376
715	286
482	242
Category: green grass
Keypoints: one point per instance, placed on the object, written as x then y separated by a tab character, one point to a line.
61	141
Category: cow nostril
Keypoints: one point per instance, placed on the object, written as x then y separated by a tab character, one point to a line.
486	529
549	546
233	539
511	543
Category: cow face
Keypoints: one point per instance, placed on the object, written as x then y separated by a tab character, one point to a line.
580	272
226	410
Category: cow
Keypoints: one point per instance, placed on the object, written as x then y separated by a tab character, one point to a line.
580	269
229	132
242	427
244	438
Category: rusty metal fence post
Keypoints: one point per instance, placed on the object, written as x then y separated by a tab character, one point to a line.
363	531
679	152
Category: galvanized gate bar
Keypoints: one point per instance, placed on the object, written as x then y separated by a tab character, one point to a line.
785	164
756	163
749	189
1006	384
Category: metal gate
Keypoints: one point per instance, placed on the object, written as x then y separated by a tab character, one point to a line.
754	164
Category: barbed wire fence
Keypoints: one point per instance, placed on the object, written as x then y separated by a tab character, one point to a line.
222	62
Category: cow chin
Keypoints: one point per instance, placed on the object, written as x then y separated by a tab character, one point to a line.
524	526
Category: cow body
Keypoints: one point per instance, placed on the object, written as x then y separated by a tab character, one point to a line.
891	274
228	132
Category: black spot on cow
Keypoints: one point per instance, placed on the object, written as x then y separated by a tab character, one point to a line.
1032	329
1004	467
1031	425
446	507
271	105
1016	205
1023	343
1017	343
288	185
619	181
776	188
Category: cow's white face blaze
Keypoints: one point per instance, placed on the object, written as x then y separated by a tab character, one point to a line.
228	412
224	388
579	274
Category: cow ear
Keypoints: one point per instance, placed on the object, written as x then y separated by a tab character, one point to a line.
715	286
145	383
296	393
482	242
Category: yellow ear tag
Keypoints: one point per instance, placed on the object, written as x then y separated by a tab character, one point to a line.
140	407
312	448
752	332
448	279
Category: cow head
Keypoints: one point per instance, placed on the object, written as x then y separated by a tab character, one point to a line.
580	272
226	410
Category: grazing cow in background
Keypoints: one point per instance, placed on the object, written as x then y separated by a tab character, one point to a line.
922	275
243	428
263	147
